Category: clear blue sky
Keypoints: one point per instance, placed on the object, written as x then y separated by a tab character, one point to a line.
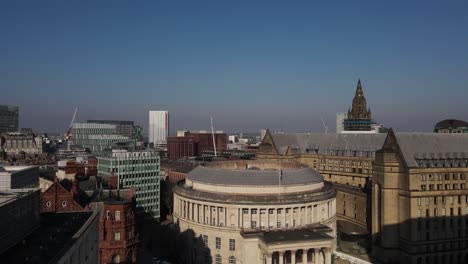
249	64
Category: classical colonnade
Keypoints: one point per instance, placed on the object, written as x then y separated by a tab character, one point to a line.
303	256
253	216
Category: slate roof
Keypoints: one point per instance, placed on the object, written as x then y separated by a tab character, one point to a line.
305	142
254	177
432	146
448	123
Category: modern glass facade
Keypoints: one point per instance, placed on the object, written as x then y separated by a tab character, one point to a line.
96	137
9	116
137	169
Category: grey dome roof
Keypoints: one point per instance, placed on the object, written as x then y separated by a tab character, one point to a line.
254	177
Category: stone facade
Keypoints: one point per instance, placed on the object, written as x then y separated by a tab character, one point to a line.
420	199
237	223
343	159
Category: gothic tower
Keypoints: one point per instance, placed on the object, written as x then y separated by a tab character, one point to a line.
359	118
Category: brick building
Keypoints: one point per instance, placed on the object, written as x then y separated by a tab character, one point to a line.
118	240
63	196
194	143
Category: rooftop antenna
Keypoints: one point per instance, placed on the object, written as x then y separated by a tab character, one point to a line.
324	126
212	133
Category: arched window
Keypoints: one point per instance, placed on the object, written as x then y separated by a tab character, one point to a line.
218	259
107	215
115	259
232	260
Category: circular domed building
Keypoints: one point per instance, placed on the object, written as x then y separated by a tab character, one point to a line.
257	212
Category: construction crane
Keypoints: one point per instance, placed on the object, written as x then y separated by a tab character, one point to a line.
70	128
324	126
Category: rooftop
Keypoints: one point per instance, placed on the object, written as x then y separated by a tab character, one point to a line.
251	172
52	237
312	232
448	123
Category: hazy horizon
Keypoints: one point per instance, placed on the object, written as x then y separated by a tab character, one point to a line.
249	65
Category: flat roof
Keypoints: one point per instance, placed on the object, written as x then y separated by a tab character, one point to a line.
314	232
45	243
7	196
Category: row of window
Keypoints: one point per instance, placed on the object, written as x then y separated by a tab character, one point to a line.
232	243
442	187
445	176
219	259
444	199
442	212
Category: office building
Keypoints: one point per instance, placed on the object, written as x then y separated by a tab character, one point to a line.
138	170
451	126
359	118
420	199
124	128
9	116
256	214
158	128
96	137
195	143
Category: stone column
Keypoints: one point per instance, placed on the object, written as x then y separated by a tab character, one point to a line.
304	256
281	257
306	215
284	216
293	256
292	216
268	258
316	255
327	256
250	218
267	212
276	218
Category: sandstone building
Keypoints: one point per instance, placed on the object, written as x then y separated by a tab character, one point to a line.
420	199
256	212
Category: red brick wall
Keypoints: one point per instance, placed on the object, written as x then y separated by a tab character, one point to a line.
127	246
58	199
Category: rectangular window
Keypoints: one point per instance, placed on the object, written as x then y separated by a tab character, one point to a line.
419	212
443	211
205	240
451	199
435	200
117	236
117	215
254	211
232	244
419	200
254	224
427	200
218	243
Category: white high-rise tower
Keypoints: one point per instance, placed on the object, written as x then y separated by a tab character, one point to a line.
158	128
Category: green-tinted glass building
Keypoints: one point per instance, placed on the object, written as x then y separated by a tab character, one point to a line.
8	118
137	169
96	137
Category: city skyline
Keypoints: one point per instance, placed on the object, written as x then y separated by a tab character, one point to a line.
250	66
